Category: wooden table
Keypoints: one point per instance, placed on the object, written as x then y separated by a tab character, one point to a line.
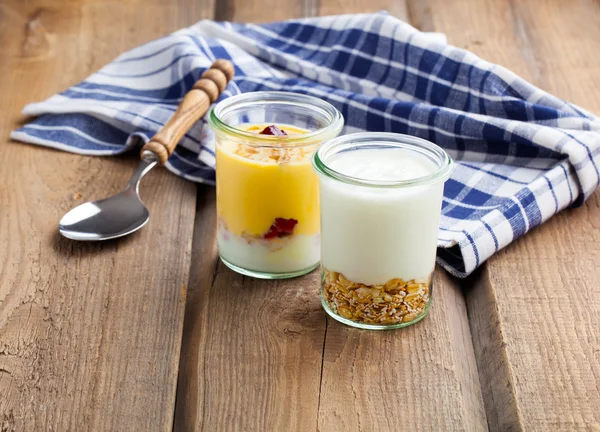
151	331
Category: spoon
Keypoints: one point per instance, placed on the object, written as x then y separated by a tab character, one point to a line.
125	212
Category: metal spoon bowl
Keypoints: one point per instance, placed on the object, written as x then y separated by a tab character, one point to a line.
111	217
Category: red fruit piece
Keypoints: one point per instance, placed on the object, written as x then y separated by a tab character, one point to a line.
273	130
270	234
281	228
285	225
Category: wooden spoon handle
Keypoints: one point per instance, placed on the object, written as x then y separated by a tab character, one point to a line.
193	106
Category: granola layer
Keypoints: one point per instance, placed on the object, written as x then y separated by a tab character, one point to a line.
397	301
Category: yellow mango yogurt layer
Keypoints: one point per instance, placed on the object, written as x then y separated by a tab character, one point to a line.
257	185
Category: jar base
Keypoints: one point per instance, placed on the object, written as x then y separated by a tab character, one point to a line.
267	275
373	326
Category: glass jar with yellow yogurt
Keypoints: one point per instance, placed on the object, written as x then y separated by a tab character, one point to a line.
267	191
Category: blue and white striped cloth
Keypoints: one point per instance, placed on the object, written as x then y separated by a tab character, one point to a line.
523	155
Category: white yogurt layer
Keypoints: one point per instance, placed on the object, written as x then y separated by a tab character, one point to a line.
285	255
374	234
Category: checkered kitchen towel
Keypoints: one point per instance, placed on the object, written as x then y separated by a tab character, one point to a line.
523	155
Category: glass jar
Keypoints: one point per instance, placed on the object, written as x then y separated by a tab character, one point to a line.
267	191
381	198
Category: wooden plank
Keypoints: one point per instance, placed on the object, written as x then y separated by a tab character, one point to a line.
535	307
336	7
263	356
89	332
252	350
423	377
263	10
536	312
251	354
420	378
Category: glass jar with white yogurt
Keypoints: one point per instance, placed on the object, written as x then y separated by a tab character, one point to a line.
381	197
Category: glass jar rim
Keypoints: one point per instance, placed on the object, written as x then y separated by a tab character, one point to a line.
336	120
427	148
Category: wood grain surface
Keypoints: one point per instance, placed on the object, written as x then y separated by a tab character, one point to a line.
113	336
89	332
